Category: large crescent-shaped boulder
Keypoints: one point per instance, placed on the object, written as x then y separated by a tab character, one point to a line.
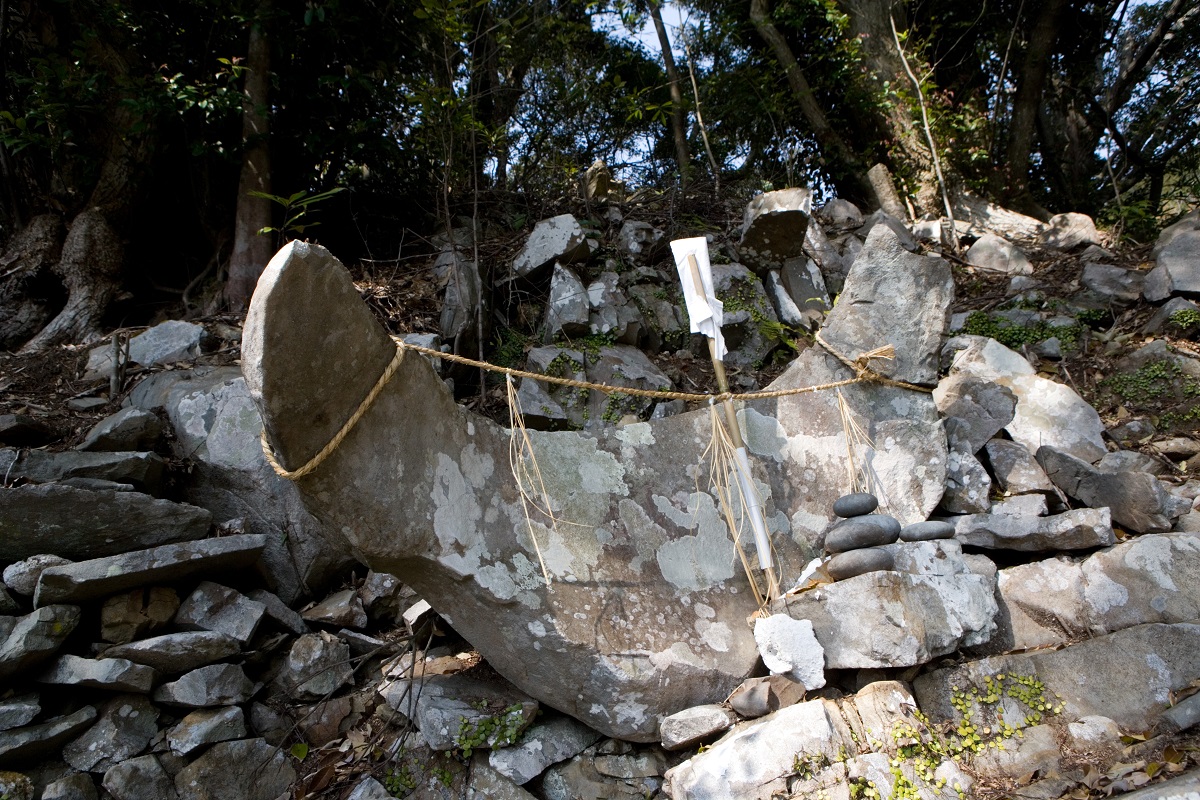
647	611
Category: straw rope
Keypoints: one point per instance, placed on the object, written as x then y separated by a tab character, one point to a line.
861	367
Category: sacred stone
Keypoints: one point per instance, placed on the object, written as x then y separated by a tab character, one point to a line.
420	488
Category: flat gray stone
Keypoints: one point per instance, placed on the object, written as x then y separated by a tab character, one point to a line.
23	746
213	607
693	726
773	228
343	609
125	727
748	310
449	705
1117	284
75	786
840	213
175	653
1016	469
22	576
369	789
1128	676
1152	578
926	531
610	313
35	637
206	726
457	512
894	619
133	614
870	530
143	471
918	292
19	710
1077	529
1188	222
542	745
141	778
983	407
113	674
248	768
1138	500
567	308
855	505
968	484
205	687
1178	268
556	239
1068	231
1047	412
1162	320
317	665
858	562
789	647
995	254
75	523
280	612
167	342
87	580
128	429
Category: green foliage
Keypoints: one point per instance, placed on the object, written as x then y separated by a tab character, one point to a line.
399	781
1015	336
296	208
1185	318
498	730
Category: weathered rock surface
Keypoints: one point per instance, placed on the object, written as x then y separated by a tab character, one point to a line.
1016	469
115	674
1077	529
213	607
76	523
86	580
894	619
248	769
174	653
206	726
997	254
144	471
747	310
1178	268
1070	230
75	786
984	408
126	725
217	428
540	746
968	484
449	522
214	685
893	297
35	637
1138	500
567	308
22	576
1115	284
19	710
25	745
692	726
1128	676
773	228
141	778
556	239
1047	412
447	706
316	666
131	615
788	647
128	429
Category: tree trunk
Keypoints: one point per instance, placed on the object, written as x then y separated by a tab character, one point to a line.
252	251
29	292
93	257
1031	85
845	167
678	118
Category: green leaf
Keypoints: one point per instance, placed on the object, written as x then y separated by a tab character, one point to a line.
300	750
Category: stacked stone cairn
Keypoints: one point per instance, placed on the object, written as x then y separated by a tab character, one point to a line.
855	545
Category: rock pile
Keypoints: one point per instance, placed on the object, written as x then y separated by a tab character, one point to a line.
172	634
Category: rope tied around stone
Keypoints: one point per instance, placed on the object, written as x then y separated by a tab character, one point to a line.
861	366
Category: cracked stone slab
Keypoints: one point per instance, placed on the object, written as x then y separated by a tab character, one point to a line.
26	745
648	604
87	580
34	637
1077	529
81	523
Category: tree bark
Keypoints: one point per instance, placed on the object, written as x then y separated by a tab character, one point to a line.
29	292
1031	85
93	257
251	250
678	117
846	169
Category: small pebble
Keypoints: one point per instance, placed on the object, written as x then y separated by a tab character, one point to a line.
855	505
927	531
871	530
858	562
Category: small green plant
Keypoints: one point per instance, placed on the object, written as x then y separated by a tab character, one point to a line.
498	730
809	765
1185	318
399	781
296	207
1015	336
